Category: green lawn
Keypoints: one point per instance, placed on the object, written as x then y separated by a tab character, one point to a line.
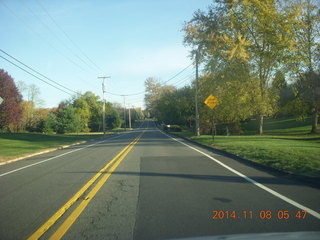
279	127
286	145
13	145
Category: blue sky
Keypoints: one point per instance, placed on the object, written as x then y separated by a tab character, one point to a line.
129	40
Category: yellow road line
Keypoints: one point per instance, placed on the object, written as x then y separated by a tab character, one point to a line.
48	224
76	213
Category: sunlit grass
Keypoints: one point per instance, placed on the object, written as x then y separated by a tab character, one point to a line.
279	126
286	146
14	145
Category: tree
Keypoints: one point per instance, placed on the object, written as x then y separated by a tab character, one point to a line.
27	115
82	109
33	117
307	37
33	95
236	92
10	109
163	106
88	107
168	104
185	105
258	33
285	92
309	91
139	114
152	86
112	117
51	123
40	117
32	92
68	121
161	101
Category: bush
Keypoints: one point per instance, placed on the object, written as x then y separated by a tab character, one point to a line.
68	121
113	119
51	124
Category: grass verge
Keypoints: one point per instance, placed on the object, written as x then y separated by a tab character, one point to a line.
14	145
298	155
282	126
286	146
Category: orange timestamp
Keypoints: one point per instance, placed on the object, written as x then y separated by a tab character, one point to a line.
263	214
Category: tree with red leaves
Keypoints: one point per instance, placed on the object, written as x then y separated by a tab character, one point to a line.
10	108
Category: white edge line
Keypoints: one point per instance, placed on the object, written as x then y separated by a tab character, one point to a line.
63	154
284	198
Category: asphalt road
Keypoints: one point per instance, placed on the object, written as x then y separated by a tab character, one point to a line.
156	188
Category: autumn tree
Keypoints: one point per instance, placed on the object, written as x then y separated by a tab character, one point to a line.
27	120
88	107
40	117
307	53
236	92
169	104
10	109
95	104
160	100
258	33
136	114
185	105
31	117
82	108
152	86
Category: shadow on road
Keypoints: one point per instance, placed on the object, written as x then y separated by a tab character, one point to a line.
203	177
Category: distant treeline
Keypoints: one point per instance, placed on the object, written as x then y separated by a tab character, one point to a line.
81	113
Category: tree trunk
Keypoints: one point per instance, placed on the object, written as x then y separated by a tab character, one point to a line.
261	125
315	121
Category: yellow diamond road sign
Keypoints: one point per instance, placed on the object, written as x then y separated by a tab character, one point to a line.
211	101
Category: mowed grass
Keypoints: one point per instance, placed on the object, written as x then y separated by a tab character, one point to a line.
279	127
14	145
286	145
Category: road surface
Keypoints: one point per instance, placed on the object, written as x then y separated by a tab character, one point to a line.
147	185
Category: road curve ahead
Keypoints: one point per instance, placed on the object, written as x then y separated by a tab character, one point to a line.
144	184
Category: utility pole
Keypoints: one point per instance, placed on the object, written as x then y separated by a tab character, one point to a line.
103	104
124	112
196	97
129	119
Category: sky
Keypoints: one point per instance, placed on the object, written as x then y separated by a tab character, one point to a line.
74	42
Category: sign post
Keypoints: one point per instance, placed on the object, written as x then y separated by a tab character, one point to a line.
212	102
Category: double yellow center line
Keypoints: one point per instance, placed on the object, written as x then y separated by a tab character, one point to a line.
83	204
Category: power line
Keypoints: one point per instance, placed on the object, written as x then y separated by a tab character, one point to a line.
178	74
34	75
133	94
68	37
55	35
36	71
134	99
121	95
186	78
44	39
41	78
